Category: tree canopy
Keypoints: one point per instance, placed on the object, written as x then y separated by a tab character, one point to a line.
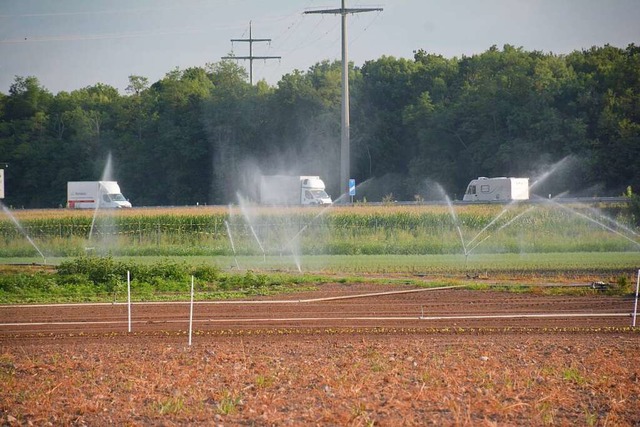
201	134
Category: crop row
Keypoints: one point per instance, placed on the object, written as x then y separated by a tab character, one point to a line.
469	217
334	231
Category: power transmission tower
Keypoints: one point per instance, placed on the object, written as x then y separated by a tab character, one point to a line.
344	139
251	41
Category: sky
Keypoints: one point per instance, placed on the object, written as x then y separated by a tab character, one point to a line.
71	44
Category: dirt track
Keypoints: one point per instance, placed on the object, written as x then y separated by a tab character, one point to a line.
344	355
353	306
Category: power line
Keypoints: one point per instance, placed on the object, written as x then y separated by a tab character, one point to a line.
103	36
251	57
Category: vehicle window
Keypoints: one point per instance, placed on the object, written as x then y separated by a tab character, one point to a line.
106	198
320	194
471	189
484	189
308	195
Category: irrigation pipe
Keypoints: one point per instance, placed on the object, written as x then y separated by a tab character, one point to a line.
291	301
356	318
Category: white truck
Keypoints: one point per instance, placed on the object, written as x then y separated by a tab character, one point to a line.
293	190
95	194
500	189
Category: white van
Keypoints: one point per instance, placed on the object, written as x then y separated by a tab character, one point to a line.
95	194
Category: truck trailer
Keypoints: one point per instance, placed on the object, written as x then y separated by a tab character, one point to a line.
500	189
293	190
95	194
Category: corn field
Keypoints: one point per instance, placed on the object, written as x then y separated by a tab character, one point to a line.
374	230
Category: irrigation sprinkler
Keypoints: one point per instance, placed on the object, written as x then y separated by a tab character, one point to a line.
129	298
233	246
635	304
499	229
493	221
243	208
290	243
191	312
23	231
595	221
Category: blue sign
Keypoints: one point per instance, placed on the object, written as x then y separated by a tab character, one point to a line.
352	187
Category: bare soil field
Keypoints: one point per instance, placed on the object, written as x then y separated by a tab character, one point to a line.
355	354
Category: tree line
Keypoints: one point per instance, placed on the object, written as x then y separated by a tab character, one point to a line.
202	134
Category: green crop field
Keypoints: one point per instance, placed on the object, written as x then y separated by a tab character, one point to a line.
355	238
336	230
263	250
546	263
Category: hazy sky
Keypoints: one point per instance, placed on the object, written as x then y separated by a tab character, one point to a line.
70	44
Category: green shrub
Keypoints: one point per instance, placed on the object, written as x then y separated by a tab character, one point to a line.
206	273
168	270
103	272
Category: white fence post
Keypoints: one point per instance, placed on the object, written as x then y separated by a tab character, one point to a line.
191	312
129	297
635	305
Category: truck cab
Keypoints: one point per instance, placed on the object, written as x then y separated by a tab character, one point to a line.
114	200
313	191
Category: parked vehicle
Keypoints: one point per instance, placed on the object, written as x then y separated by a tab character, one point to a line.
293	190
95	194
499	189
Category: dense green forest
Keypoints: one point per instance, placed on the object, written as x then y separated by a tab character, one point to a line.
199	135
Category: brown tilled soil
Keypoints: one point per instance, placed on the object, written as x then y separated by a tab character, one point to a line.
438	357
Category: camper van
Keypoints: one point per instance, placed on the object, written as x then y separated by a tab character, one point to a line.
499	189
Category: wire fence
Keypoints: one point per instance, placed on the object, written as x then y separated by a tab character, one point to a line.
368	232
